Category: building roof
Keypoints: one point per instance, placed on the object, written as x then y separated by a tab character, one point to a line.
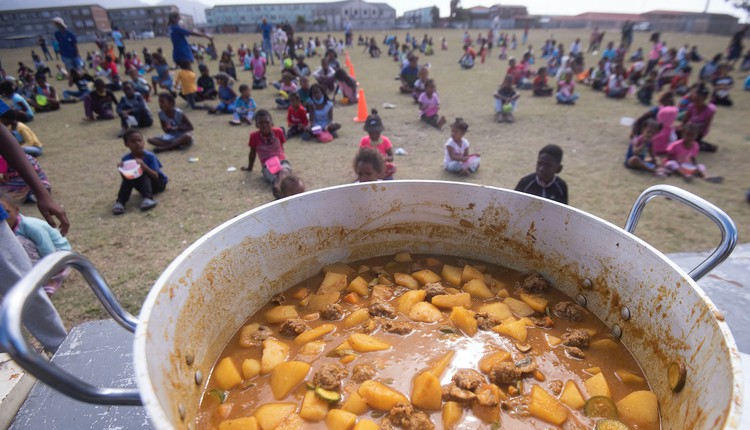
333	3
680	13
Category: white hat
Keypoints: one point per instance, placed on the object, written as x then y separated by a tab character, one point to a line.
60	21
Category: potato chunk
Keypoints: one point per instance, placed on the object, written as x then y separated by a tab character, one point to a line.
470	273
356	318
516	329
279	314
359	286
313	407
226	374
452	300
333	283
597	386
409	299
286	376
365	424
571	396
405	280
546	407
244	423
452	413
361	342
270	415
338	419
439	367
519	308
275	352
425	276
538	303
499	311
489	361
425	312
250	368
355	404
640	406
451	274
426	392
477	288
465	320
313	334
379	396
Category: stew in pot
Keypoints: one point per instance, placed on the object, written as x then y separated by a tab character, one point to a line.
423	342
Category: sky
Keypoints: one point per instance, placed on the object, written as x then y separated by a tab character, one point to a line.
551	7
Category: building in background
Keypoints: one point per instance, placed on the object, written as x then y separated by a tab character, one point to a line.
419	18
22	27
142	20
657	20
589	20
303	16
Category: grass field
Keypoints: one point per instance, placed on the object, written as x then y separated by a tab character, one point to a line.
132	250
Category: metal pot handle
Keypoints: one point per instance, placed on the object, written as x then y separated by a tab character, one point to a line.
12	340
726	225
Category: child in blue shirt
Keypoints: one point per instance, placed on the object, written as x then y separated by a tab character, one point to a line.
150	182
24	112
244	107
227	96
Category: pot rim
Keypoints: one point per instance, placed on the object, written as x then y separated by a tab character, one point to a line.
157	413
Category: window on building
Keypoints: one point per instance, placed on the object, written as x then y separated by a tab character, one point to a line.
79	23
28	27
89	23
75	12
364	12
45	14
40	27
85	12
142	12
346	12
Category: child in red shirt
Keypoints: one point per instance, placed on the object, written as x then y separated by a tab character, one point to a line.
267	144
296	116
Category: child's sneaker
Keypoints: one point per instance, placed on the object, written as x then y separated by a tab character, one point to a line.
235	122
118	209
147	204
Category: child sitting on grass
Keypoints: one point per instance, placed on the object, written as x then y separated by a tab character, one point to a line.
206	85
566	94
296	116
227	96
540	87
422	76
162	79
26	138
38	238
457	158
286	86
16	101
368	165
682	156
258	66
321	110
545	182
132	109
505	100
267	144
640	149
141	85
429	105
185	80
375	140
176	126
348	87
98	102
244	107
151	181
12	183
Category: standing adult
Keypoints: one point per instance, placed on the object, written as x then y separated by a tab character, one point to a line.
55	47
181	50
626	38
42	319
279	43
291	42
68	45
734	51
42	42
265	29
117	37
348	35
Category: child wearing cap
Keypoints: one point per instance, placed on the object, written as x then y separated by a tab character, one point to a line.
457	158
375	140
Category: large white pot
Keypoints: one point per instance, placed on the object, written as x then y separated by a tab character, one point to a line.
213	286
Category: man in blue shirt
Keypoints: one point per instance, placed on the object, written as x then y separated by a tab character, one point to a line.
181	50
68	44
117	37
266	28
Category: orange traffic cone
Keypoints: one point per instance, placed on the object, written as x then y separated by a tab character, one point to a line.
351	71
361	107
348	60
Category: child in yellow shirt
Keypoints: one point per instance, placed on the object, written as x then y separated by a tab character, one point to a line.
25	136
185	80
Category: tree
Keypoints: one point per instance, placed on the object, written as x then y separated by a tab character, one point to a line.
741	4
301	20
435	15
455	4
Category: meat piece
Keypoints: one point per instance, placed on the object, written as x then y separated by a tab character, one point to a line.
486	396
575	352
434	289
534	283
404	416
362	373
381	293
452	393
567	310
278	299
396	327
368	326
577	338
293	327
381	309
328	377
263	333
543	322
468	379
505	373
332	312
385	424
555	387
486	321
526	364
518	406
415	266
379	271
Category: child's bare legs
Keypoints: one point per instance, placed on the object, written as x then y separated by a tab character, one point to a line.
333	127
441	122
638	163
283	173
180	142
